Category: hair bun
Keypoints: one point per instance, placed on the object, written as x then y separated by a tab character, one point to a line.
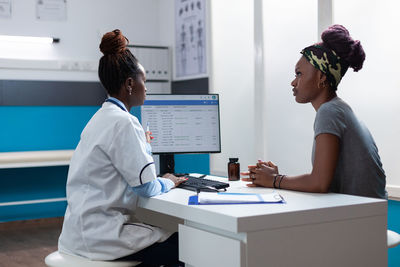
338	38
113	43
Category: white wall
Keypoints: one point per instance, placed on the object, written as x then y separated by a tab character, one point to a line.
232	76
286	127
79	35
374	91
289	26
166	17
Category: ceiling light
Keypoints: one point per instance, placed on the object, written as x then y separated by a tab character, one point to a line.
29	39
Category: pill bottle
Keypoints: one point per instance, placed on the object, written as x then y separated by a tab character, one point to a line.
233	169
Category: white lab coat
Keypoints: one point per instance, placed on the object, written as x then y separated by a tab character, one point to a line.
110	158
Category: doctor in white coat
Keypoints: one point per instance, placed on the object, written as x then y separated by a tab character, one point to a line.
110	167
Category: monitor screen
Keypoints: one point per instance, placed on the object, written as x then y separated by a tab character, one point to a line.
182	123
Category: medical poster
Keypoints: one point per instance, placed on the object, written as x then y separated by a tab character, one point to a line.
51	10
5	8
190	38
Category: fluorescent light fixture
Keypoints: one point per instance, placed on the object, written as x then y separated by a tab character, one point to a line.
28	39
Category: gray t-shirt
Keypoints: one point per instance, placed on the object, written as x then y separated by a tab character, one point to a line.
359	169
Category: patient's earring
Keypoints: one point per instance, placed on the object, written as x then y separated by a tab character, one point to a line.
130	90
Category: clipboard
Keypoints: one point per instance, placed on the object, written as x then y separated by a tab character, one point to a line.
224	198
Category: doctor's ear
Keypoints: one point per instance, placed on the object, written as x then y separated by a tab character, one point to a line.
130	84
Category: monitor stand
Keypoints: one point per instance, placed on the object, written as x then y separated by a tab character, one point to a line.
167	163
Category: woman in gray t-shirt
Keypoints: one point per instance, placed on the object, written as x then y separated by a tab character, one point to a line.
345	157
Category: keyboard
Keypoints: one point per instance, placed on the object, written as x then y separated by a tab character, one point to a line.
201	184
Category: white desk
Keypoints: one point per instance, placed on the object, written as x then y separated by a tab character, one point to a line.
309	230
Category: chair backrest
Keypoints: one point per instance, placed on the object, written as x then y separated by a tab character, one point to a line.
59	259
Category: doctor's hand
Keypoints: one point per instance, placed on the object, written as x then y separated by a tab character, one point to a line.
149	136
173	178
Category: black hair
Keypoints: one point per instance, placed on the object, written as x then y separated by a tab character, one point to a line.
118	63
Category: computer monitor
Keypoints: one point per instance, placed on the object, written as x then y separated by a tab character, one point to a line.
182	123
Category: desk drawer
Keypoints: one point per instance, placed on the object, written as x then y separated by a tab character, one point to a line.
201	248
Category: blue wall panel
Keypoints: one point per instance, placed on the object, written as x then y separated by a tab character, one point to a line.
32	211
22	184
32	183
394	225
27	128
199	163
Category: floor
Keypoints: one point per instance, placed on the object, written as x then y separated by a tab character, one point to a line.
27	243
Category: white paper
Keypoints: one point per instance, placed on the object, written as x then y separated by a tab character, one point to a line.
197	175
206	197
51	9
5	8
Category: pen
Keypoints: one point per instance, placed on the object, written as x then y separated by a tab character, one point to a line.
148	131
202	176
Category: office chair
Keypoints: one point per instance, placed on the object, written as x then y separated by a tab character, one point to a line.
59	259
393	239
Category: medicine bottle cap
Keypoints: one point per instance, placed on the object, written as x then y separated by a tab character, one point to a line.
233	160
